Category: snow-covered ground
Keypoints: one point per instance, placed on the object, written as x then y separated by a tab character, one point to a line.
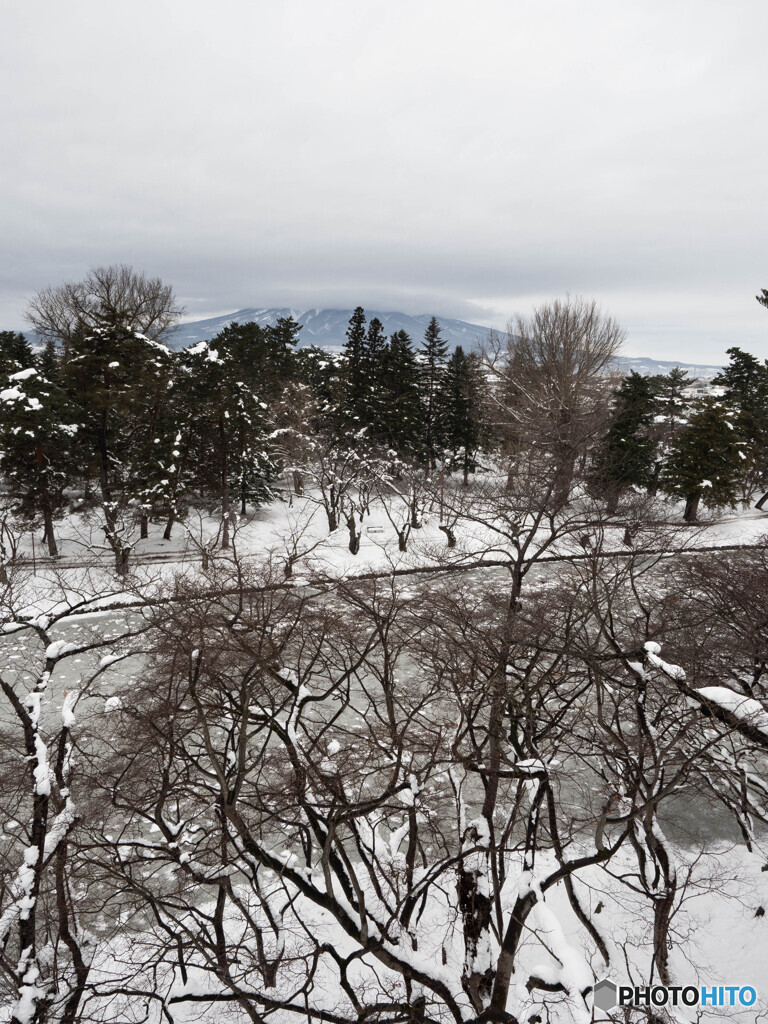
719	929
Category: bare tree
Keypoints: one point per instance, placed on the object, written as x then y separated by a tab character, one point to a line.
549	386
108	298
47	947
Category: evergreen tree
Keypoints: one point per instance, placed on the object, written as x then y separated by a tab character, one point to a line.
15	353
704	463
118	380
37	427
355	351
762	298
231	452
401	426
372	412
460	394
746	379
261	357
670	416
626	457
48	361
433	353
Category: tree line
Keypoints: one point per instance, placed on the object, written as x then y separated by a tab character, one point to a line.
105	416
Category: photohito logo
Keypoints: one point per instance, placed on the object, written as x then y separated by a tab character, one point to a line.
608	994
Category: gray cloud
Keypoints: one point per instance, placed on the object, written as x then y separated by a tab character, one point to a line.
427	157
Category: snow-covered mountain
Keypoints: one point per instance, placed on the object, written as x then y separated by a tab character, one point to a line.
648	367
327	327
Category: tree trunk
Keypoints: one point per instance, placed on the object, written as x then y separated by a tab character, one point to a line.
612	500
144	533
691	507
330	501
225	518
415	524
476	907
45	501
449	534
169	525
354	536
48	536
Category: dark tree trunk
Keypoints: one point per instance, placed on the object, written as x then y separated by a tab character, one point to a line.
144	533
225	510
169	525
415	524
476	909
49	537
45	501
354	536
449	534
612	500
691	507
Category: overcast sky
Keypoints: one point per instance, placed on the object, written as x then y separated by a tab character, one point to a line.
431	156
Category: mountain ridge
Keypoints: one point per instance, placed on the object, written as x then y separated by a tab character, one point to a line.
326	328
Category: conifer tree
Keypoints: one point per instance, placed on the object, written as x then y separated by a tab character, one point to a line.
15	353
433	353
372	411
460	392
670	415
48	361
704	463
261	356
746	379
402	403
231	451
626	456
37	427
355	371
118	380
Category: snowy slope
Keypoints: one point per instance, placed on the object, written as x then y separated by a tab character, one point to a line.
327	327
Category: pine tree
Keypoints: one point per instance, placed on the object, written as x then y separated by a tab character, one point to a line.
670	415
460	394
48	361
402	420
231	453
704	463
372	412
433	353
260	356
118	380
355	352
627	454
15	353
37	427
762	298
746	380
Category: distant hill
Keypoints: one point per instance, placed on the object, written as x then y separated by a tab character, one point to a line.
326	327
649	367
